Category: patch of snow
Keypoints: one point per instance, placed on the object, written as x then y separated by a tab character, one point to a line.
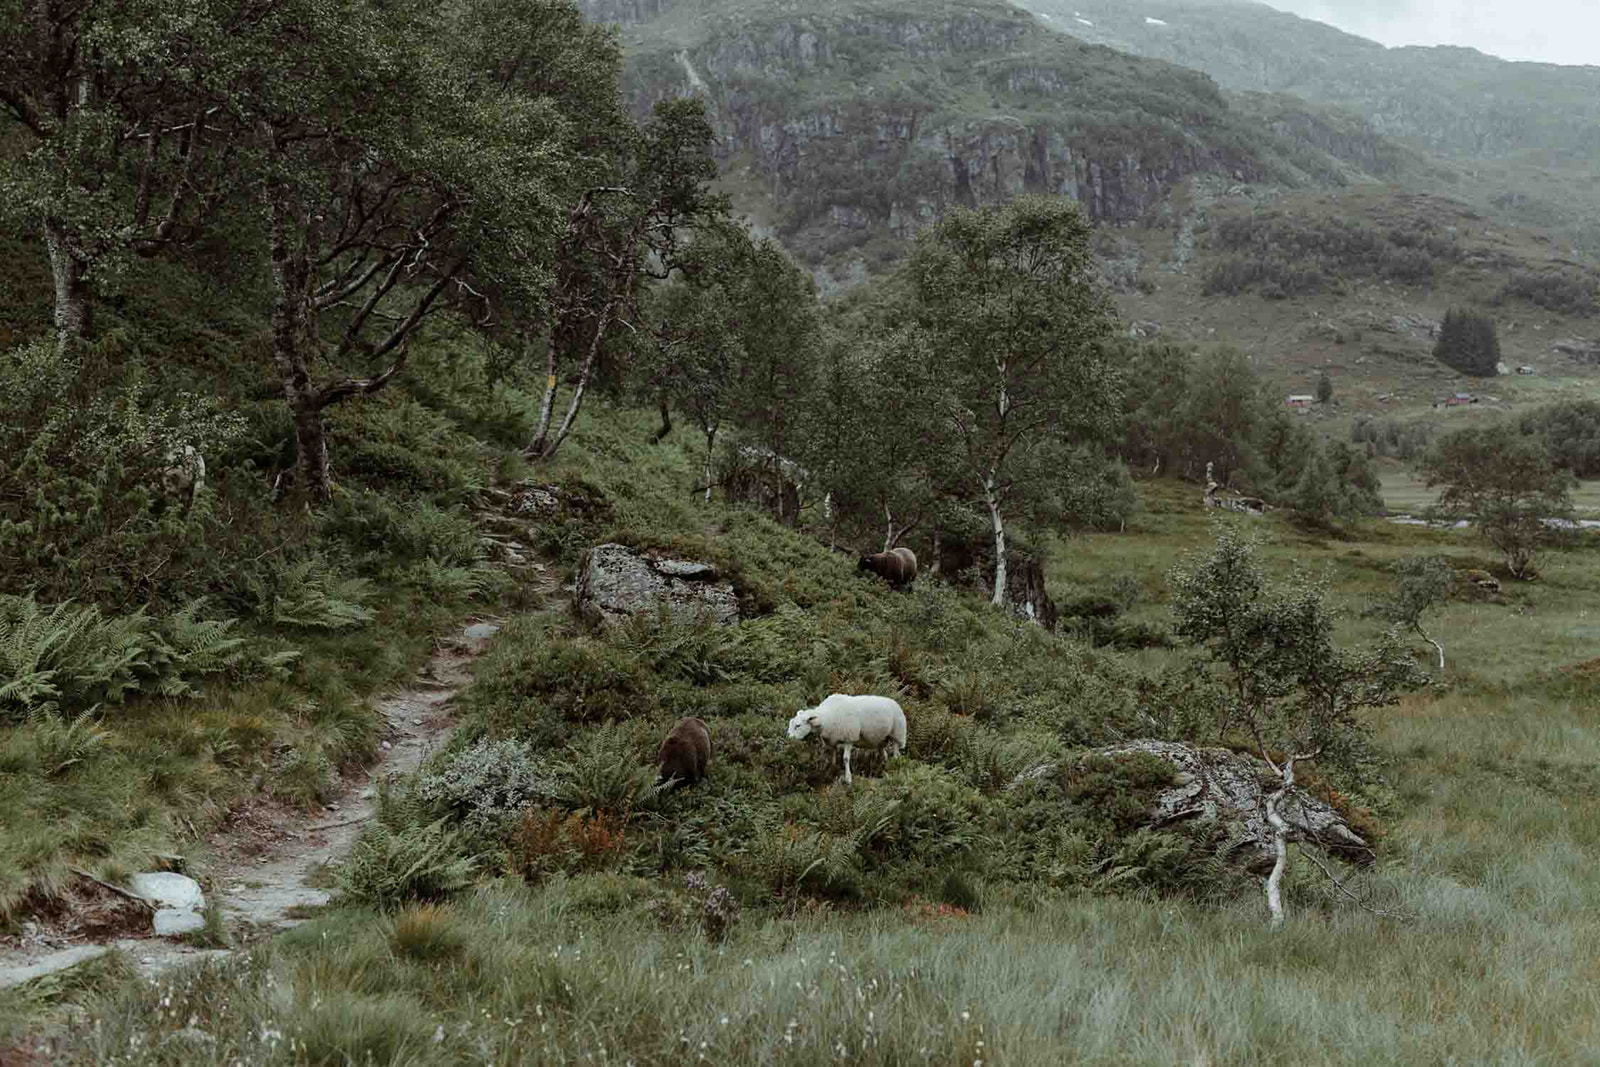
1047	18
1148	21
1085	21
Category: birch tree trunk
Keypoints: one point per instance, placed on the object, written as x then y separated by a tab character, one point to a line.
292	332
938	550
890	536
711	441
72	288
593	354
1436	645
666	421
991	498
547	403
1280	842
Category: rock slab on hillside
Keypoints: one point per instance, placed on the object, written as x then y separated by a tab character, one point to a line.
179	903
616	582
1226	787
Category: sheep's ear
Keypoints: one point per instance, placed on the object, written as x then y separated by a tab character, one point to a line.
811	720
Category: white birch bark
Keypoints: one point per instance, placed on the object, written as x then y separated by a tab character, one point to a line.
995	519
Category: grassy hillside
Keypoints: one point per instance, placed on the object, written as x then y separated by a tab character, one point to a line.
1350	283
940	936
176	668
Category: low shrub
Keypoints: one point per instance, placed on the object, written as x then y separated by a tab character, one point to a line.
487	783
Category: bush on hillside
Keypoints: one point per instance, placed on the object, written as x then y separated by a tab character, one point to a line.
1281	255
1555	290
1571	433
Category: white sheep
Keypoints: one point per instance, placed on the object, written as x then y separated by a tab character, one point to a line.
844	721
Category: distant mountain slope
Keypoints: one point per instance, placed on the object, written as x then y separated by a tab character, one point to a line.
854	121
1454	101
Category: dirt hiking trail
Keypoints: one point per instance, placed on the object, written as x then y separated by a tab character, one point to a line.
269	864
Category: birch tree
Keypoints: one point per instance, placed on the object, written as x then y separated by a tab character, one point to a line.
889	453
1505	482
1283	685
696	350
631	226
1008	301
390	186
1422	583
126	134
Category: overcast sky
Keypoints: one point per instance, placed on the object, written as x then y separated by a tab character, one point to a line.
1554	31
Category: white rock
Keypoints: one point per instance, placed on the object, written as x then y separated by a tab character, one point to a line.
170	922
480	630
387	746
168	890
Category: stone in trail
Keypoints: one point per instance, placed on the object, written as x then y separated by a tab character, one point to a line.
180	905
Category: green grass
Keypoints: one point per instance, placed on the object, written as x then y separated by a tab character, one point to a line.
1496	966
1487	796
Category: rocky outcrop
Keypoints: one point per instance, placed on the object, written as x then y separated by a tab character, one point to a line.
860	119
755	475
616	582
184	474
1579	349
1230	789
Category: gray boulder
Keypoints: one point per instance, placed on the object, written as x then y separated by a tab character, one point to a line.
1226	787
183	474
616	582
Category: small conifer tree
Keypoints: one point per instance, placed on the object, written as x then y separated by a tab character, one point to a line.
1469	343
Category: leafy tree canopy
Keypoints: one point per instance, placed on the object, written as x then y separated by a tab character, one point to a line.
1506	485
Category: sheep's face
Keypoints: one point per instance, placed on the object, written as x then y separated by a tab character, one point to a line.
802	724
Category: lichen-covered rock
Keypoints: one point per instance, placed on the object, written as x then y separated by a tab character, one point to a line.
184	474
615	582
1230	788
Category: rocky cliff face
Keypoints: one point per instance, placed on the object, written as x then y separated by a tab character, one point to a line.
868	119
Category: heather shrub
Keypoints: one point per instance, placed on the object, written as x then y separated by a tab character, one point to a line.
487	783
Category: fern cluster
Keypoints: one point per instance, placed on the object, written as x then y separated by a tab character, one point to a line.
399	857
71	656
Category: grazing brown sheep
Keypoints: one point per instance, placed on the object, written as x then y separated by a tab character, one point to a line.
898	566
685	752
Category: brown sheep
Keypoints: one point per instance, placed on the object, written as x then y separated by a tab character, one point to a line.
898	566
685	752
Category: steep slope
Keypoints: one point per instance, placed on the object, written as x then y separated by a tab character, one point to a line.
1529	131
857	121
1454	101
